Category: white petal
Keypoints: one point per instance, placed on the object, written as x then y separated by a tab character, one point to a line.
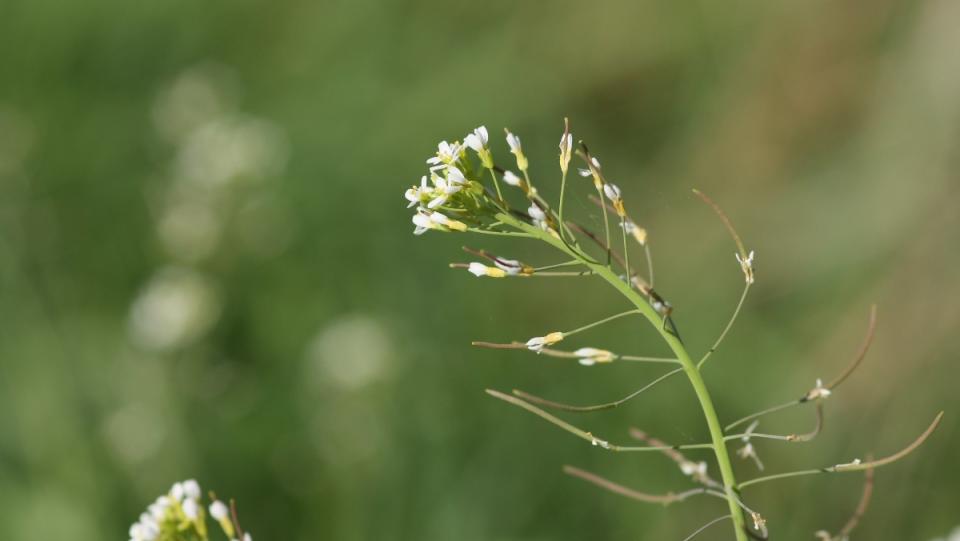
510	178
611	191
455	175
584	172
473	142
536	213
477	269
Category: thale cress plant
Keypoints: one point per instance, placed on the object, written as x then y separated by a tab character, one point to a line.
466	191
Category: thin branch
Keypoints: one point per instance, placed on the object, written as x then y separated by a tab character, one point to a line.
856	465
790	437
598	241
550	352
862	505
679	458
726	221
858	358
606	484
582	434
761	413
733	318
864	347
707	525
598	407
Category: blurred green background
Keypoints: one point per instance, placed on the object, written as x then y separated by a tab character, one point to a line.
207	268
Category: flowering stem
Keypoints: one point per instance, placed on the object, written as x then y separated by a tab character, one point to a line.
606	223
499	233
689	367
563	186
496	185
601	322
733	318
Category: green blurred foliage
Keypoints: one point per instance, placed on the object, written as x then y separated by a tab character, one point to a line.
206	266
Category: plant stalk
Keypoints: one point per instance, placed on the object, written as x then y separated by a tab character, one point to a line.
689	366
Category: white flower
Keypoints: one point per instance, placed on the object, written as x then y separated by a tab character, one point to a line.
478	139
536	213
566	149
433	220
509	266
417	194
747	451
191	509
537	343
479	269
158	509
611	191
447	154
191	489
638	233
219	510
514	143
694	469
597	442
517	151
455	175
510	178
747	266
177	492
819	391
591	356
584	172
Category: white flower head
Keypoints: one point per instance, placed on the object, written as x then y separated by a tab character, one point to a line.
591	356
455	175
537	213
177	492
191	489
748	451
191	509
819	391
219	510
612	191
566	150
514	142
512	179
510	266
418	194
447	154
537	343
426	220
746	265
697	470
479	269
638	233
597	442
478	139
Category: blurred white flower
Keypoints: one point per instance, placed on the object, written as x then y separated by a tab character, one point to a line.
512	179
176	307
219	510
591	356
537	343
479	269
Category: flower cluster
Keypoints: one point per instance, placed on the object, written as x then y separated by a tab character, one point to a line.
451	186
179	515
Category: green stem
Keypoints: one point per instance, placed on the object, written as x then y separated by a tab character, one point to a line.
689	368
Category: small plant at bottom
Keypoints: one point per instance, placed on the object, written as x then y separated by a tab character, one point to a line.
179	515
455	196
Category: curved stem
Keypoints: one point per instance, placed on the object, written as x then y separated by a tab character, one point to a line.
689	368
